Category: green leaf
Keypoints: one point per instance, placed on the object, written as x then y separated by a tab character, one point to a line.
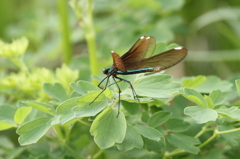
7	119
55	90
201	114
156	86
85	108
231	138
177	125
131	108
67	106
148	132
32	131
209	101
83	87
41	106
21	114
238	86
185	142
15	49
230	113
155	146
108	129
132	139
214	83
217	97
193	82
159	118
194	96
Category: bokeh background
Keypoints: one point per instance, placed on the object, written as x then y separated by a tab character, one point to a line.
208	29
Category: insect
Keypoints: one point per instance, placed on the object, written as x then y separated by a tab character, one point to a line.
138	60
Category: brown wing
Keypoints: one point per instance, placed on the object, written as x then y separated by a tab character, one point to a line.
166	59
143	48
117	62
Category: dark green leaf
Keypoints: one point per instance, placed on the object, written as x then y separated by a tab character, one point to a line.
55	90
177	125
7	119
131	108
159	118
132	139
185	142
232	138
155	146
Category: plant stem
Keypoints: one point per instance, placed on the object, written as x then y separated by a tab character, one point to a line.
67	48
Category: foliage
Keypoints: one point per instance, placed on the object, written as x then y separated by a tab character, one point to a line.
51	111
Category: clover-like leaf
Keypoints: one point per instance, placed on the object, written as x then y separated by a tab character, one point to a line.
193	82
132	139
201	114
32	131
148	132
214	83
159	118
185	142
56	90
83	87
159	86
108	129
194	96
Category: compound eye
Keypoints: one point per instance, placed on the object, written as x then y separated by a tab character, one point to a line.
105	71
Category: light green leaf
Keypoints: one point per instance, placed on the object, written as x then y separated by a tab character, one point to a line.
132	139
31	132
85	108
230	113
159	118
158	86
214	83
185	142
67	106
56	90
209	101
193	82
7	117
217	97
108	129
169	5
194	96
41	106
177	125
201	114
83	87
155	146
238	86
148	132
21	114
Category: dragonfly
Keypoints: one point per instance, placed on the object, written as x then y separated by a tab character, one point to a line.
139	60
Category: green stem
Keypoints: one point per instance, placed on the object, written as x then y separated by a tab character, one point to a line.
63	12
84	10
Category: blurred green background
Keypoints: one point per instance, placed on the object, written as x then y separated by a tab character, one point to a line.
208	29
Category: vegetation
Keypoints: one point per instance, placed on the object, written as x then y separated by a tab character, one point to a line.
50	70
